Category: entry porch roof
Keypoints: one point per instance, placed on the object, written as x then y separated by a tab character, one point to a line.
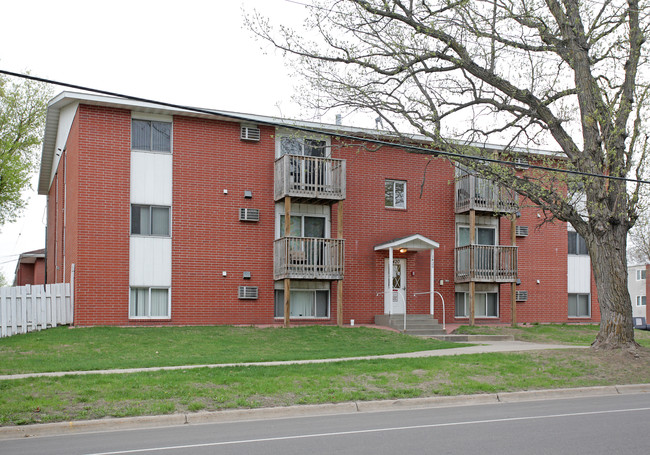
415	242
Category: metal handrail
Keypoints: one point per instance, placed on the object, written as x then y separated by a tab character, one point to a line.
443	305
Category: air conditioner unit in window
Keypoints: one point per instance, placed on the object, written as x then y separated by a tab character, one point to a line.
246	214
521	231
521	296
248	292
250	133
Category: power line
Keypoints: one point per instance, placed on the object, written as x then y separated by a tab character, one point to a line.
339	134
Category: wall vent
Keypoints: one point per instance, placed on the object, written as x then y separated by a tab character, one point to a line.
521	296
246	214
521	163
521	231
250	133
248	292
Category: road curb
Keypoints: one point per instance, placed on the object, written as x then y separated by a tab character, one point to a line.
234	415
550	394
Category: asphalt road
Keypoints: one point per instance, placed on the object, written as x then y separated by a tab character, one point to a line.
596	425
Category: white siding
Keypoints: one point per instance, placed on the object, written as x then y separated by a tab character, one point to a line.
151	178
150	261
66	117
579	274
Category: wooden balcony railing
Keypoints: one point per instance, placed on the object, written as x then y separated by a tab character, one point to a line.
486	263
476	193
308	258
308	177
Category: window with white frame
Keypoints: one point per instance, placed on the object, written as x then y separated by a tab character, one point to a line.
640	300
640	274
395	194
304	303
150	220
577	244
151	136
149	303
579	306
486	305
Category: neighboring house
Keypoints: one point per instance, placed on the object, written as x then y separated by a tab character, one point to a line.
176	217
636	285
30	268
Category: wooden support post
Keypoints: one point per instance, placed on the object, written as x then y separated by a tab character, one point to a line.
287	302
513	296
287	281
472	284
339	286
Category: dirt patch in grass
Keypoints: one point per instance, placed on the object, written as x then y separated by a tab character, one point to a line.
606	367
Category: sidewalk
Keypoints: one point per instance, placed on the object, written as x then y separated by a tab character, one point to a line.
486	346
127	423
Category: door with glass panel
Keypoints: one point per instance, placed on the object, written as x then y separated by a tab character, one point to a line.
395	287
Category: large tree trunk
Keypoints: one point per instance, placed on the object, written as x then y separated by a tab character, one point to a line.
609	265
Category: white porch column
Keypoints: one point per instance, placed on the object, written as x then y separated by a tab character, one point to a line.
390	280
431	283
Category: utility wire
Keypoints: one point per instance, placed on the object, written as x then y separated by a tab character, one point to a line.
339	134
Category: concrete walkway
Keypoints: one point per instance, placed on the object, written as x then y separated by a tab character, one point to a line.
486	346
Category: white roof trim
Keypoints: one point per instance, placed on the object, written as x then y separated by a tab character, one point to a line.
66	97
413	242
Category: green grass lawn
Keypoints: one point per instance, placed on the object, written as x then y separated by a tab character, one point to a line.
33	400
65	349
36	400
579	335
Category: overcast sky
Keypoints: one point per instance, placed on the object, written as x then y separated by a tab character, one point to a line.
191	52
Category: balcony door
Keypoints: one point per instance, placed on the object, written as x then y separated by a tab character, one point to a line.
395	287
303	250
307	170
483	257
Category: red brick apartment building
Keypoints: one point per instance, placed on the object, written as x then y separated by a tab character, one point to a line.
175	217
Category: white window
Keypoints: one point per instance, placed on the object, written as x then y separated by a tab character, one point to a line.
149	303
304	304
579	306
150	220
577	244
395	194
640	300
640	274
151	136
486	305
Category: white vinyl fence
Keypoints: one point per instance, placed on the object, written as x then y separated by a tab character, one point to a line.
27	308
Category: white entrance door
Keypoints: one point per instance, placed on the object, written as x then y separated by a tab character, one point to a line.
395	288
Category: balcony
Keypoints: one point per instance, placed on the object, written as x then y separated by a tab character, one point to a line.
485	264
476	193
309	179
307	258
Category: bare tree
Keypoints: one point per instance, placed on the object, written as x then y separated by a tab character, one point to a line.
560	74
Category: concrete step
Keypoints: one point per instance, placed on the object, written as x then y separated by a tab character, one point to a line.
426	332
416	324
473	338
